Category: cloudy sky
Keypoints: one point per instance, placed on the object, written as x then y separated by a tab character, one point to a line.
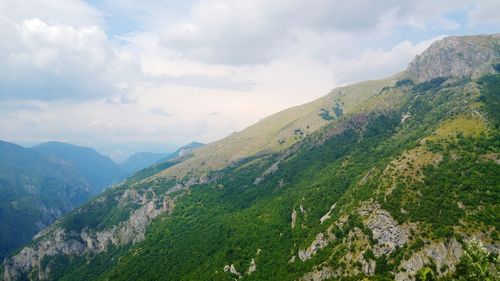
125	76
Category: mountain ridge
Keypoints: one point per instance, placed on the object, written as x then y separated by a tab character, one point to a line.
99	170
458	56
35	190
387	185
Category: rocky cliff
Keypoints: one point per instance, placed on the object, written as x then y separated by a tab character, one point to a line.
457	56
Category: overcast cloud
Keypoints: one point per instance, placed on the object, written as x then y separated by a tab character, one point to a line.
127	76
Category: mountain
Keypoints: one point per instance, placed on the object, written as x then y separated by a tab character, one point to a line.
392	179
182	151
173	158
98	170
141	160
35	191
280	131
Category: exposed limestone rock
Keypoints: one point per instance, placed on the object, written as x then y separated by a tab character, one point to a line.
456	56
368	267
320	242
444	254
319	274
231	269
271	170
55	240
327	215
495	157
302	210
366	176
405	116
29	258
252	268
131	196
292	259
58	241
388	233
294	218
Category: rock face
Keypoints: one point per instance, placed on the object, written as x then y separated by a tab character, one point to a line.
319	243
368	267
388	233
444	254
252	268
456	56
231	269
319	274
294	219
55	241
327	215
271	170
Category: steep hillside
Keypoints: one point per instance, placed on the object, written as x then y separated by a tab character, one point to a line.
279	131
396	179
35	191
98	170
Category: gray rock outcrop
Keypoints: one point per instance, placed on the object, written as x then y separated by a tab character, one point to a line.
456	56
388	233
319	274
445	255
57	240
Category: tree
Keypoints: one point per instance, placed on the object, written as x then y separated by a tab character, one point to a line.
425	274
474	264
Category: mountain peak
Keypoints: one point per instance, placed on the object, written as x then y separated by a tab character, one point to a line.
456	56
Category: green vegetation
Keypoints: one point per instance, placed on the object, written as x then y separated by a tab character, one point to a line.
35	190
432	84
475	263
325	114
426	154
233	220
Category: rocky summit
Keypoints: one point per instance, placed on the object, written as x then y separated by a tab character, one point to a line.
393	179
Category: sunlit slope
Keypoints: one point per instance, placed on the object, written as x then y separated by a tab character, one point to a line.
278	131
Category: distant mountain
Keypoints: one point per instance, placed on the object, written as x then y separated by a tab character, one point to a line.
35	190
182	151
144	160
141	160
98	170
173	158
392	179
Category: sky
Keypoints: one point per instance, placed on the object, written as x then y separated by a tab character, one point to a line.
125	76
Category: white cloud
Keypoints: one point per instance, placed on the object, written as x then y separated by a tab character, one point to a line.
125	75
44	61
485	12
249	32
70	12
377	63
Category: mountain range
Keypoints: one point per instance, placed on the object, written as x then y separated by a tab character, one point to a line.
36	190
42	183
98	170
381	180
141	160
